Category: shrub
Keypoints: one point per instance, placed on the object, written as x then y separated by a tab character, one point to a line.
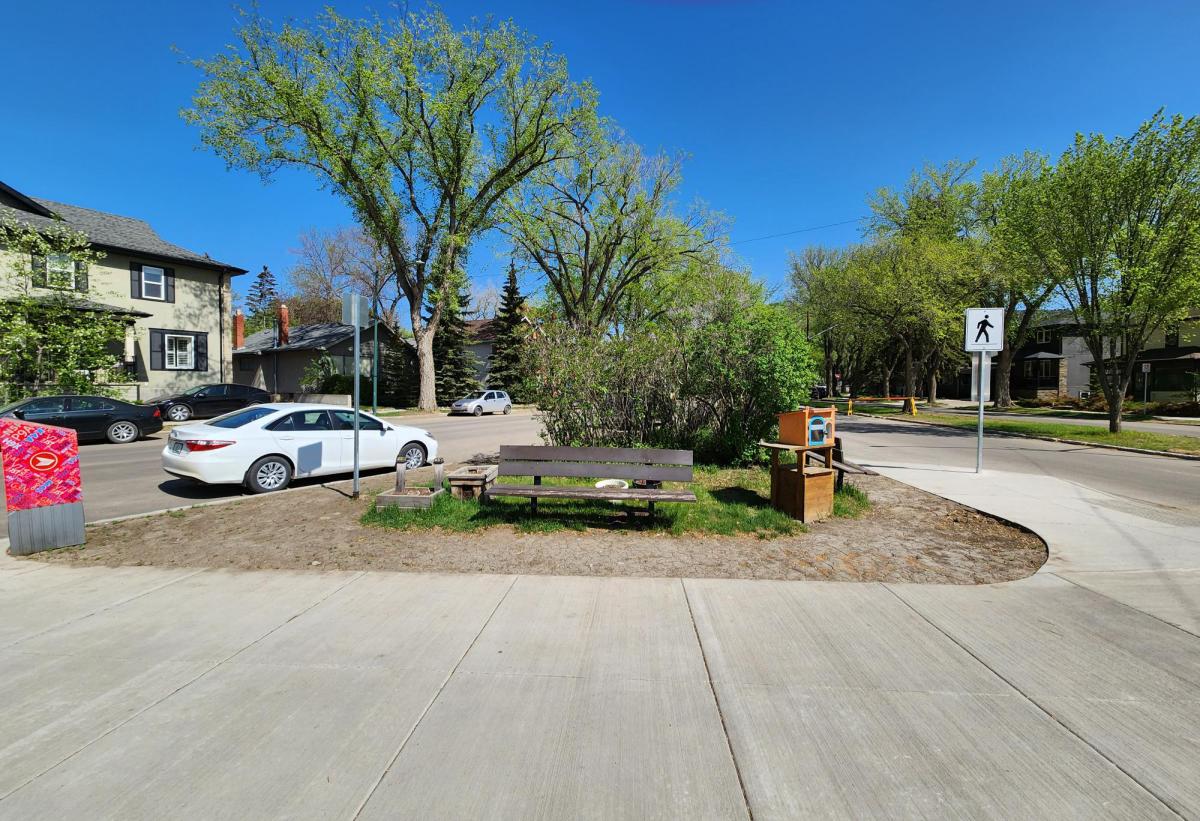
710	379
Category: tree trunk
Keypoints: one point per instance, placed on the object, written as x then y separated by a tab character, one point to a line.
1003	372
427	400
932	387
910	374
1114	413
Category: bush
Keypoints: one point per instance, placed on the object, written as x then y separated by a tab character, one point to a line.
710	379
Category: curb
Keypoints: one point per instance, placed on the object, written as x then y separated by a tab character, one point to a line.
1191	457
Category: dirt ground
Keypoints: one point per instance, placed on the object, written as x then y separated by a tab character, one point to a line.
906	536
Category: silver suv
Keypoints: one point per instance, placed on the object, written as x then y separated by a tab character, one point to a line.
482	402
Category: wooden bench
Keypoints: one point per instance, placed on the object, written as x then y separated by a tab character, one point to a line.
649	465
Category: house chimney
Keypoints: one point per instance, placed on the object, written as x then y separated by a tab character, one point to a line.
239	329
283	325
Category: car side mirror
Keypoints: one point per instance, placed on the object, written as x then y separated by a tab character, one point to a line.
19	414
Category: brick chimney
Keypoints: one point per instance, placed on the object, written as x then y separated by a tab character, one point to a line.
283	325
239	329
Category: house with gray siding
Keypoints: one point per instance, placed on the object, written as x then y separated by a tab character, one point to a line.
175	301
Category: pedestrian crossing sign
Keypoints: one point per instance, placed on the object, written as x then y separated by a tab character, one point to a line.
984	329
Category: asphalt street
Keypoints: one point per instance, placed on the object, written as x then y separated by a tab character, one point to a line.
121	480
1158	486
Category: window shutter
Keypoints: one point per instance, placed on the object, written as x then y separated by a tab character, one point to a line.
38	275
156	350
169	284
201	344
81	275
135	288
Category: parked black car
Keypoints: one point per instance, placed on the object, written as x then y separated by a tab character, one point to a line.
209	400
92	417
820	391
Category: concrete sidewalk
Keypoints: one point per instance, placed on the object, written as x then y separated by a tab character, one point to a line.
150	693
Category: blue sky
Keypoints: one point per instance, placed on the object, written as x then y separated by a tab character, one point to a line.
792	113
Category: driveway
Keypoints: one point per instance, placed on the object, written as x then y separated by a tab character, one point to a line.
121	480
150	693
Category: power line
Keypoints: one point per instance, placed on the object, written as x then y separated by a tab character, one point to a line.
797	231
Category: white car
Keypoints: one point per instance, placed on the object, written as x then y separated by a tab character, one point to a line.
482	402
264	447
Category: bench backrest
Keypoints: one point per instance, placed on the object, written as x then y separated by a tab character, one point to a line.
654	464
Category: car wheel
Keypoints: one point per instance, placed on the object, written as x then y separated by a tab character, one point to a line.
478	410
179	413
507	410
412	455
268	474
120	433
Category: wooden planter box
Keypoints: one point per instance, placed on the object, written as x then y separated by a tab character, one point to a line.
471	481
410	497
803	493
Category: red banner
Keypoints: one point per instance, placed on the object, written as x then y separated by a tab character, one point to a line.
41	465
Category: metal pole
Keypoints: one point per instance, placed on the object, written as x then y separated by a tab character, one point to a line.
979	443
357	380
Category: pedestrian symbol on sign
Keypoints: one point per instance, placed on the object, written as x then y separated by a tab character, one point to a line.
983	325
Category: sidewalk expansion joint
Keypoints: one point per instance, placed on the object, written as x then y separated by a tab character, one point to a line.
1059	574
712	688
178	689
429	706
1040	707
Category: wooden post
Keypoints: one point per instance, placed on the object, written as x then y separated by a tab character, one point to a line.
439	471
401	469
537	480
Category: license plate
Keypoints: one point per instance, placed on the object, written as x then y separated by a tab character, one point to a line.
177	447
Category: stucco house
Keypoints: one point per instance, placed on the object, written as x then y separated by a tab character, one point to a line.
481	338
1172	355
176	301
276	358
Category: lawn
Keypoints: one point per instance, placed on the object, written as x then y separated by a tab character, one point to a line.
728	502
1081	433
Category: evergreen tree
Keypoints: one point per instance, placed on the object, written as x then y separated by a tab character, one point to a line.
455	365
262	302
509	336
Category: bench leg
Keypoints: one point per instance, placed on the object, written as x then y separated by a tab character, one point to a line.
537	480
650	507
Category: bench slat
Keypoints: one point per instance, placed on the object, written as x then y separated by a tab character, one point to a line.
577	492
632	456
594	470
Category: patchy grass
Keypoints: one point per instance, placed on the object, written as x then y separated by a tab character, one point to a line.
729	502
1080	433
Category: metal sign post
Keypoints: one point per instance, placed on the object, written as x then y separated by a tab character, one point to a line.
984	333
355	310
1146	383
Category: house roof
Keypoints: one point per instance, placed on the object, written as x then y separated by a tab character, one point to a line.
103	229
1045	355
1169	354
316	337
89	305
481	330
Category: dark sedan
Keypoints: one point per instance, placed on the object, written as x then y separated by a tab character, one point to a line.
204	401
92	417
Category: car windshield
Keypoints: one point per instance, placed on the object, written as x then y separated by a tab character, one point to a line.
242	417
476	395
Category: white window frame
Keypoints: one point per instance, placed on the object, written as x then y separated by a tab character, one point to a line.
58	278
175	363
162	283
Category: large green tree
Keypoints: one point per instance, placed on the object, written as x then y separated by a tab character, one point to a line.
601	226
1117	223
420	127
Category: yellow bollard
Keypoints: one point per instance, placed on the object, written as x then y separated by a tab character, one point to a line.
912	403
850	408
